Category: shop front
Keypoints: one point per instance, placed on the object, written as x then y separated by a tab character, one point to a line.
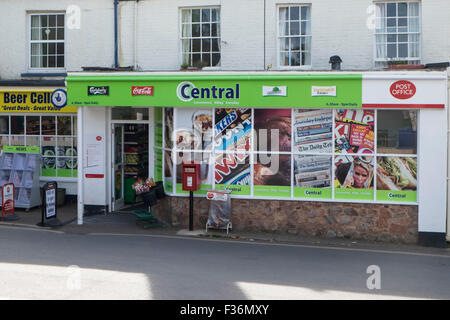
352	155
40	117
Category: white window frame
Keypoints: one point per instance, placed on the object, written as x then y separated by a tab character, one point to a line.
383	61
29	41
303	67
180	36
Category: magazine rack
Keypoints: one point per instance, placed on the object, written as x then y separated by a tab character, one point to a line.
20	165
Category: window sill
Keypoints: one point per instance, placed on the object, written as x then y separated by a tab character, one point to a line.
299	68
40	74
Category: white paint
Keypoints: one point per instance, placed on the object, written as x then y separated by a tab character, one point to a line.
430	88
432	170
263	291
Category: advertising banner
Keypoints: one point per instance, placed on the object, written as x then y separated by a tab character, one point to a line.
272	175
228	91
35	101
354	177
312	131
354	131
312	177
397	179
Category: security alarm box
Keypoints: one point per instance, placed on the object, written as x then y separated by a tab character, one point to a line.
191	177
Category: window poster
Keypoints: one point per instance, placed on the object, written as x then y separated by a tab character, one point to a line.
397	179
205	170
193	129
168	171
272	175
354	177
232	129
273	130
168	127
354	131
312	176
232	134
232	172
312	131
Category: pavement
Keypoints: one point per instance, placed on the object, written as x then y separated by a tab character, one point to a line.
124	223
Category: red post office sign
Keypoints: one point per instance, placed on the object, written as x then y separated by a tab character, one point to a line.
7	199
403	89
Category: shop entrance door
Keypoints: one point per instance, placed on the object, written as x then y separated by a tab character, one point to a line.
117	166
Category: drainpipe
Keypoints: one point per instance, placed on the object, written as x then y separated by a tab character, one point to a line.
448	160
80	185
116	44
135	34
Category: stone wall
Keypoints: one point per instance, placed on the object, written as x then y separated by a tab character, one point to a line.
379	222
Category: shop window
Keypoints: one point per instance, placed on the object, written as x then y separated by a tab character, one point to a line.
397	32
306	154
47	41
53	134
200	37
129	113
397	132
294	35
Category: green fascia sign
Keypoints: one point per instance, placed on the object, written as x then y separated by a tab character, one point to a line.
21	149
217	90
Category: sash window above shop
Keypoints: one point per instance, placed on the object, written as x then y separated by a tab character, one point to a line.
294	35
47	41
200	37
397	33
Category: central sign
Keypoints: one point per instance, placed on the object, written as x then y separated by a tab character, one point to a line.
187	91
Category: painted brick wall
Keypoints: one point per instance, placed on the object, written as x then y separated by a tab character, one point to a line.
338	28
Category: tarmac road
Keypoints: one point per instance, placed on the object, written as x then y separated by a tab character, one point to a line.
45	264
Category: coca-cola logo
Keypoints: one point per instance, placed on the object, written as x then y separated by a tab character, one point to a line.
98	91
210	195
142	91
403	89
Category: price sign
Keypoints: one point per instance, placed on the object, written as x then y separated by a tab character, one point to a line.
50	201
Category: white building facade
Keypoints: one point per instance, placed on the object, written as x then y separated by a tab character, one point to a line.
50	39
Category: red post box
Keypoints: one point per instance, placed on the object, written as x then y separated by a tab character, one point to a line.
191	176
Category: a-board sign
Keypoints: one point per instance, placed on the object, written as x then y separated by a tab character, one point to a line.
50	200
7	199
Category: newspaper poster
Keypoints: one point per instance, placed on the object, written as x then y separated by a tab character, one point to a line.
313	130
354	131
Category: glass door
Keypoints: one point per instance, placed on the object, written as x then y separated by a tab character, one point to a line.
117	167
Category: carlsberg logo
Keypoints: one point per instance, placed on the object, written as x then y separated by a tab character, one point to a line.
187	91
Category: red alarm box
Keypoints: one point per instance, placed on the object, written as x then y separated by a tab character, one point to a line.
191	176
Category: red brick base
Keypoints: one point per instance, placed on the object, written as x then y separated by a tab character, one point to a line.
389	223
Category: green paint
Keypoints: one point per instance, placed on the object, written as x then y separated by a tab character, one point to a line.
158	129
353	194
348	88
312	193
168	185
203	189
21	149
272	191
65	173
157	170
397	196
236	189
48	173
75	173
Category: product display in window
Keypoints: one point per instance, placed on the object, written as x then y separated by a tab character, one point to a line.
232	169
136	149
354	131
354	172
232	130
193	129
273	129
312	171
313	130
396	173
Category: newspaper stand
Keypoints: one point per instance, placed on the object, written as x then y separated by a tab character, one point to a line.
219	210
